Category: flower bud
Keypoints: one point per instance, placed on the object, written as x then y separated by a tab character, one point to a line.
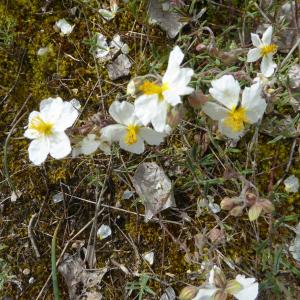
266	205
188	293
250	199
233	287
227	203
254	212
236	211
219	278
220	295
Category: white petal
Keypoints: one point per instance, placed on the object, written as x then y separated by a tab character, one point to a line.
112	133
105	147
267	65
205	294
31	133
89	144
256	41
171	97
67	117
59	145
226	90
175	60
145	108
214	110
267	36
250	288
178	81
64	26
38	150
253	55
291	184
122	112
227	131
102	48
136	148
159	121
51	109
149	257
103	232
253	103
151	136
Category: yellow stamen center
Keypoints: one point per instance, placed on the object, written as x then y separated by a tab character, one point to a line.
267	49
38	124
151	88
236	119
131	135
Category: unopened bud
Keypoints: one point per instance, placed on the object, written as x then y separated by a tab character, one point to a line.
231	57
188	293
201	47
236	211
233	287
227	203
197	98
220	295
266	205
250	199
174	116
254	212
219	278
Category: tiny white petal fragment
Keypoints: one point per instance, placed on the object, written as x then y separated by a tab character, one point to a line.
102	48
249	290
64	27
103	232
149	257
59	197
128	194
291	184
15	195
43	51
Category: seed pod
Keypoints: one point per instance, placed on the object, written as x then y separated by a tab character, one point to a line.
236	211
188	293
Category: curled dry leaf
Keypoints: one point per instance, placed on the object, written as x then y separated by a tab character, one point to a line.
197	98
154	188
217	236
119	67
169	294
161	13
82	283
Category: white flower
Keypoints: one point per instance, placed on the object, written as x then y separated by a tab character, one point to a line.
262	80
64	27
129	132
291	184
152	106
102	48
265	49
46	129
89	145
248	289
103	232
231	114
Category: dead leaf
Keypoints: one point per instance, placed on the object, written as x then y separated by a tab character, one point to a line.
82	283
161	13
169	294
154	187
119	67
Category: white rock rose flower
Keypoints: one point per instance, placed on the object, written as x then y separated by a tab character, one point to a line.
263	49
152	106
103	232
64	27
129	132
46	129
231	114
291	184
89	144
